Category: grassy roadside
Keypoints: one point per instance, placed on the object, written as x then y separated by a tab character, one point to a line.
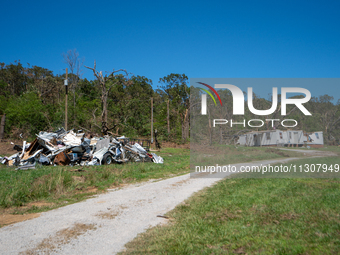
58	186
220	154
49	187
252	216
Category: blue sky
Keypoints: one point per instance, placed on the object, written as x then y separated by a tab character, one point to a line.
208	39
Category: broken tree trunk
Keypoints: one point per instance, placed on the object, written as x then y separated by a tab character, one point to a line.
2	127
105	89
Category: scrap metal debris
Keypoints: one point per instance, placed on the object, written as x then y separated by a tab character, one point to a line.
70	148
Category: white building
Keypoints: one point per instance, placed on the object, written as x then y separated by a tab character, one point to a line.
315	139
289	138
263	138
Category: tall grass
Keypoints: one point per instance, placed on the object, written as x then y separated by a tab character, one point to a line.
60	184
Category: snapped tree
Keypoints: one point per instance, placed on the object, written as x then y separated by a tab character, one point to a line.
106	86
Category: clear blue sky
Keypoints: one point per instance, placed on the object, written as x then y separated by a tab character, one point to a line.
199	38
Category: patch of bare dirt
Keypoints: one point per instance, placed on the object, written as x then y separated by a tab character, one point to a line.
240	251
62	237
180	183
7	219
111	214
79	178
91	189
6	148
37	204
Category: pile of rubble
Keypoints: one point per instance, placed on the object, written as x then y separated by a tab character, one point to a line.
68	148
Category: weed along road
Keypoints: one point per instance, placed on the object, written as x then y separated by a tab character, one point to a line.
105	223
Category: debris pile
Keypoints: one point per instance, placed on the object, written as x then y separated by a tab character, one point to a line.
68	148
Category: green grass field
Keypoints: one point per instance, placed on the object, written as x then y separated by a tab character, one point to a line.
253	216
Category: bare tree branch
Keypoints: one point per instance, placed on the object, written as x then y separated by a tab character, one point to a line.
105	89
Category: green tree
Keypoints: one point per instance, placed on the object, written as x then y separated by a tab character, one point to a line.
175	88
26	114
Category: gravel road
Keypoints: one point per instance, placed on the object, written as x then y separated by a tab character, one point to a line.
105	223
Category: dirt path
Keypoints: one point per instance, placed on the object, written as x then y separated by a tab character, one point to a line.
105	223
312	152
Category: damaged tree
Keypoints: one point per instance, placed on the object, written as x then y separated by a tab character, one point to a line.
105	89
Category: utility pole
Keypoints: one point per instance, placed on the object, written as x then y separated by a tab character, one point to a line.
151	120
168	117
66	89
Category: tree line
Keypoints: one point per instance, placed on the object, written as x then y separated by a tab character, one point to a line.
33	99
118	103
